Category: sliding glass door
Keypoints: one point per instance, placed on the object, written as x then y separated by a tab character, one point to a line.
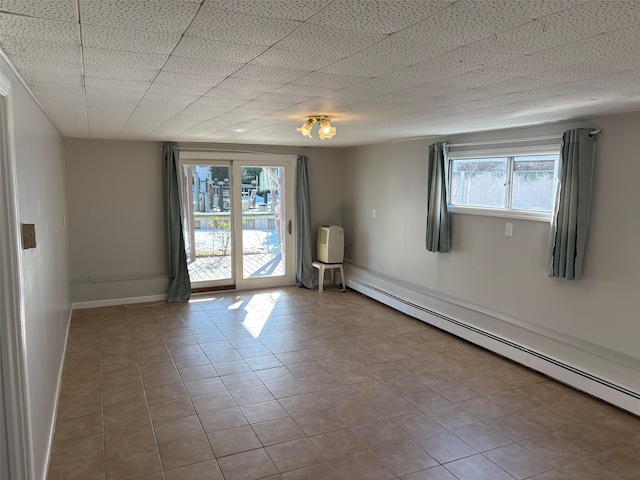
238	217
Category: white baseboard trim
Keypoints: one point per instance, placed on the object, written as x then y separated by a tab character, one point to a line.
118	301
613	382
52	428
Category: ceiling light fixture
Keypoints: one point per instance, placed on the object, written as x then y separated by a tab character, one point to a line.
326	130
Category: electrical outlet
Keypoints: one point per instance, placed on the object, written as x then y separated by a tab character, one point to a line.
508	230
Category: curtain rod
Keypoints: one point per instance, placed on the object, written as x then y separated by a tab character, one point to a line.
219	150
516	140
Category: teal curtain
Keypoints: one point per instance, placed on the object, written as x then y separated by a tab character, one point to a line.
179	283
438	226
304	236
568	235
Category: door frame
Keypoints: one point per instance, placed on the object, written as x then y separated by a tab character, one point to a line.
236	160
15	414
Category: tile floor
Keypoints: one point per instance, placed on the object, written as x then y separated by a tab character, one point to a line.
289	384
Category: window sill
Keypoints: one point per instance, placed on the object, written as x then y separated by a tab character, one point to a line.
501	212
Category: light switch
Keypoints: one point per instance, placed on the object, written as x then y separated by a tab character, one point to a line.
373	213
28	236
508	230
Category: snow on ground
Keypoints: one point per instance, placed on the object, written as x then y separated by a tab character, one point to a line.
253	241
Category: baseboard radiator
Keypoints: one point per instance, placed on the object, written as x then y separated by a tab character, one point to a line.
565	373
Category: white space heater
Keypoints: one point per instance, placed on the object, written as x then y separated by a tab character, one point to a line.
330	244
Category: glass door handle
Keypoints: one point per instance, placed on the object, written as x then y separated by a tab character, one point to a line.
289	227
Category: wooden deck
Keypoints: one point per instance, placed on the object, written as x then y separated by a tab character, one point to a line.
206	269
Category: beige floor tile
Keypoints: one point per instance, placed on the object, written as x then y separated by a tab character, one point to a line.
204	386
435	473
277	431
484	408
123	438
78	427
338	443
247	465
445	447
240	380
624	459
91	469
416	425
481	436
516	426
477	467
314	422
518	462
249	395
425	398
197	372
72	450
212	401
379	433
163	393
185	451
208	470
404	457
180	407
287	388
133	462
589	468
123	398
321	471
263	411
554	449
222	419
175	428
128	415
294	454
361	466
450	416
234	440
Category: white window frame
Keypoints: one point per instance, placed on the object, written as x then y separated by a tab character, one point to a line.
510	153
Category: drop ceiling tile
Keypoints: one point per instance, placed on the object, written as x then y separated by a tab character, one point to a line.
122	72
428	90
275	57
576	72
63	10
403	50
383	16
477	79
269	74
129	40
113	95
312	39
37	76
604	48
522	66
218	92
43	64
283	100
599	16
363	67
528	9
122	85
220	103
352	95
25	47
329	80
40	29
163	99
195	66
248	85
173	78
296	89
193	47
286	9
460	26
226	26
532	37
168	89
150	15
100	56
385	85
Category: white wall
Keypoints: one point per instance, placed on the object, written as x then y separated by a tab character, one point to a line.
592	323
41	201
114	192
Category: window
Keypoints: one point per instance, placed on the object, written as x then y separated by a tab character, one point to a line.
520	185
